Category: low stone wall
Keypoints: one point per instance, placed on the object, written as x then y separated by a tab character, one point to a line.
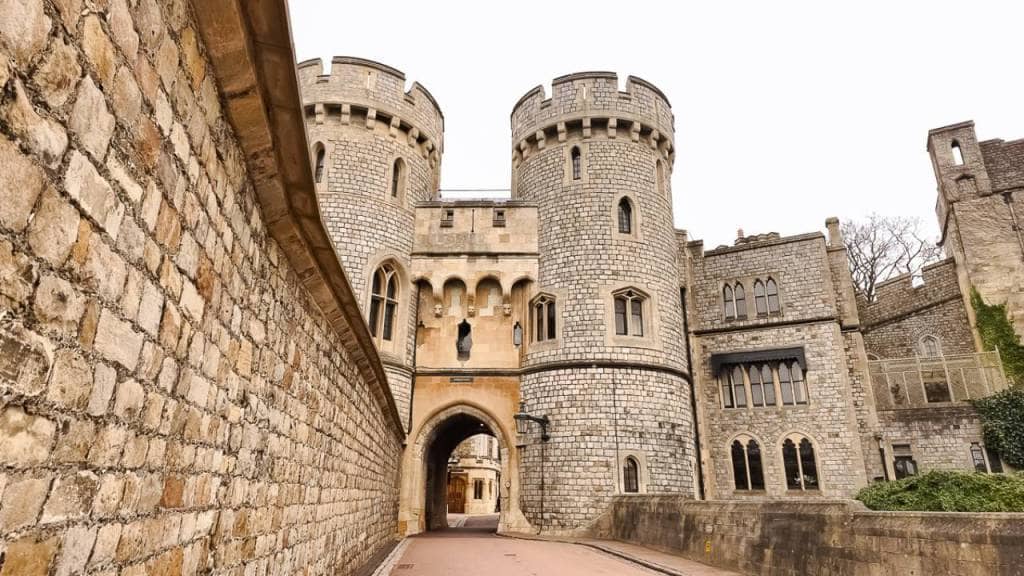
827	537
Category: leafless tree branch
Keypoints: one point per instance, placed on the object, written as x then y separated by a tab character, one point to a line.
881	247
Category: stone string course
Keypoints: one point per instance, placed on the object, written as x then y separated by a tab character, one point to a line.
171	399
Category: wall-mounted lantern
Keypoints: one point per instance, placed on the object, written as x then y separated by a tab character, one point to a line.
517	335
523	423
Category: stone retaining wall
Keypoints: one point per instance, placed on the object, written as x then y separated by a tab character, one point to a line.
173	397
834	537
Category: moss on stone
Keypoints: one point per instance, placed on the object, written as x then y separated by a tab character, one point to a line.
997	333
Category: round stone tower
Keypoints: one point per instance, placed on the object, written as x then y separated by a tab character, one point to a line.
608	365
376	150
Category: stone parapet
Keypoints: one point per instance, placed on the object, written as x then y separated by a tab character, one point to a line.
834	537
376	92
590	105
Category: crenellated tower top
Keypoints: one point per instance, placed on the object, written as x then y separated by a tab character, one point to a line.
375	92
590	104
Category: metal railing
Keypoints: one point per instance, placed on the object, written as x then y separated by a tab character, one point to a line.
941	380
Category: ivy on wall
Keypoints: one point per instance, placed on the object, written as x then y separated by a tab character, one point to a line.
1002	423
997	332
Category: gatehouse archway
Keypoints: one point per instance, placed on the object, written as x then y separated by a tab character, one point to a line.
425	488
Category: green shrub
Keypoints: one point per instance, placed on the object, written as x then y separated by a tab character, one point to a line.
997	332
946	491
1002	422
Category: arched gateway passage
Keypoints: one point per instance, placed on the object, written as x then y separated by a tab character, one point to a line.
425	485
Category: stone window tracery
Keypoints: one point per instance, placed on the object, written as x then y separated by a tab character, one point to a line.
748	470
383	302
741	301
763	385
930	347
799	462
729	301
772	289
629	313
545	318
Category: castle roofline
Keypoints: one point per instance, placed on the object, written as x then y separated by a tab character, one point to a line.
941	129
765	243
599	74
475	203
357	61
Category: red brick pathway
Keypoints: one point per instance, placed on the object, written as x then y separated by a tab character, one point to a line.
473	549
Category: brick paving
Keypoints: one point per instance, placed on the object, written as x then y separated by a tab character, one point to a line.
473	548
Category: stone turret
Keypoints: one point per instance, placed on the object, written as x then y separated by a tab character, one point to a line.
376	150
597	162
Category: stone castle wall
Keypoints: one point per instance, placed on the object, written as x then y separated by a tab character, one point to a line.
588	378
360	117
981	214
809	318
903	313
819	538
174	401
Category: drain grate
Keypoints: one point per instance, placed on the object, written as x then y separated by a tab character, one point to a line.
404	566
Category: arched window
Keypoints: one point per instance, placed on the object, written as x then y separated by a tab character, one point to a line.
760	299
772	290
318	167
799	463
576	164
741	302
762	385
383	302
748	471
625	216
630	475
397	177
739	391
629	313
930	347
958	155
544	318
729	301
464	340
791	383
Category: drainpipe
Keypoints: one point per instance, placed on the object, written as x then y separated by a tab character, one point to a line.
693	395
415	342
881	454
1008	199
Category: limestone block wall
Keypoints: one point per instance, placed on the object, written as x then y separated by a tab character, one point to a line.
367	128
607	395
173	400
903	313
980	211
838	417
939	438
820	538
828	418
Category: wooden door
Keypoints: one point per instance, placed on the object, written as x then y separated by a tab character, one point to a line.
457	495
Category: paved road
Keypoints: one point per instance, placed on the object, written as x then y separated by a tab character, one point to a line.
472	549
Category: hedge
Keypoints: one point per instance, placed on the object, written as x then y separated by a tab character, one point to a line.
948	491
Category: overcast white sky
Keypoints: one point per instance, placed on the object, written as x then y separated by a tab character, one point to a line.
786	112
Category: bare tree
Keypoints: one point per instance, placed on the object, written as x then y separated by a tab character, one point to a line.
882	247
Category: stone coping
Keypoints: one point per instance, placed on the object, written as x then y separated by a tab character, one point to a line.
250	48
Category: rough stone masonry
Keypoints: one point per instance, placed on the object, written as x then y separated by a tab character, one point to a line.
177	394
